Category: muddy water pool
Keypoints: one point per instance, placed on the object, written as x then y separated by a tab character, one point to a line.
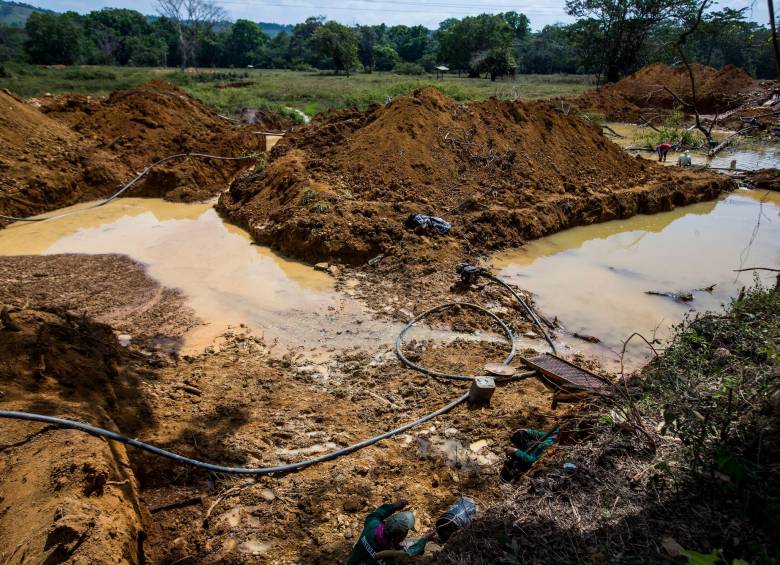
594	278
746	155
228	281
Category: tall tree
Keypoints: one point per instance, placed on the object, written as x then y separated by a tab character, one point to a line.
55	39
194	19
368	39
338	43
462	43
620	28
243	42
773	27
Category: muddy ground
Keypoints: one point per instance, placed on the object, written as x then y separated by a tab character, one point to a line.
95	339
237	404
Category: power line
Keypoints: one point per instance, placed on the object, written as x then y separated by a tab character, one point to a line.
435	8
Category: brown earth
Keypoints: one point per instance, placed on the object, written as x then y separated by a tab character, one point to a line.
155	120
45	165
500	172
89	500
63	150
765	179
716	91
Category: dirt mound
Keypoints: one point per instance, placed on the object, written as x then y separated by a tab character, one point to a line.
45	165
716	91
155	120
764	179
501	172
64	495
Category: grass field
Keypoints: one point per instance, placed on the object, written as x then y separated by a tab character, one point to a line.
310	92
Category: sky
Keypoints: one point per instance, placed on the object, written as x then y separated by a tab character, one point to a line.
410	12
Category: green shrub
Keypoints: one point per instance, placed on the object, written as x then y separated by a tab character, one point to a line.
408	69
308	196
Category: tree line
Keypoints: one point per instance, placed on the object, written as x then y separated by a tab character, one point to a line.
610	38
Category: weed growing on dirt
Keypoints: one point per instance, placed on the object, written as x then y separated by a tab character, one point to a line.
308	196
718	391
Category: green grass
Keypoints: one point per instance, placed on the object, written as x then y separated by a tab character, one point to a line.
310	92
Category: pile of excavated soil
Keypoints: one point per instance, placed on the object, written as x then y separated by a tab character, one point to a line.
64	495
763	179
154	120
716	91
45	165
501	172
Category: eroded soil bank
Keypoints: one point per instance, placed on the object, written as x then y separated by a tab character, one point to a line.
74	149
500	172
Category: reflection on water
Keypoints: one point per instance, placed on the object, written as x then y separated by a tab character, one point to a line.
227	280
748	155
594	278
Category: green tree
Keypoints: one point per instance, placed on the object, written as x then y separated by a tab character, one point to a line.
243	42
112	29
55	39
300	47
366	45
471	39
338	43
385	57
12	40
410	42
616	31
549	51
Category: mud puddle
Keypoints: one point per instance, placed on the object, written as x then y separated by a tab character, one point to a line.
228	281
594	278
746	155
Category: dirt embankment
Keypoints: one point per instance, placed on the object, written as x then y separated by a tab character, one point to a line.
500	172
66	495
46	165
63	150
730	93
651	88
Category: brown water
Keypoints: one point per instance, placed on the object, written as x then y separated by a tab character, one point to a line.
227	280
748	155
594	278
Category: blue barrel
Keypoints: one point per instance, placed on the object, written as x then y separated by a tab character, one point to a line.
457	517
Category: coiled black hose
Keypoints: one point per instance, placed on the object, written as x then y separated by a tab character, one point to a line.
530	311
412	365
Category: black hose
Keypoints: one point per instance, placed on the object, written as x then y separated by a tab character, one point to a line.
124	188
534	318
412	365
92	430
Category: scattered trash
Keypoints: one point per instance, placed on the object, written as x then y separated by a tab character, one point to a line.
588	338
457	517
428	223
570	468
375	261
